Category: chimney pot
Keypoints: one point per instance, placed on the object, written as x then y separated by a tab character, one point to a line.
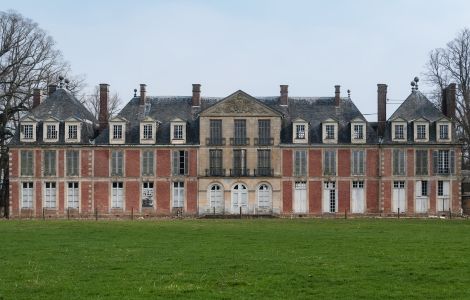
143	94
36	97
196	99
284	94
103	113
381	108
337	94
51	88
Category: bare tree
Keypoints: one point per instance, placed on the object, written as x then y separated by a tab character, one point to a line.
28	60
452	64
92	103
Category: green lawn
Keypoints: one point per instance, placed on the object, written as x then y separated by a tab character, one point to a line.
362	258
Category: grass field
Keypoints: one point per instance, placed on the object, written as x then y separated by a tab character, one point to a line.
365	258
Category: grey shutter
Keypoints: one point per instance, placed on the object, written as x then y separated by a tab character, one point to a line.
402	162
333	163
303	162
150	162
297	163
361	162
395	162
175	162
185	162
452	162
120	159
434	161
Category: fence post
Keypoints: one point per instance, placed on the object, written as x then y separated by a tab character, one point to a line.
214	210
240	212
398	213
132	213
96	213
43	214
450	213
68	213
345	213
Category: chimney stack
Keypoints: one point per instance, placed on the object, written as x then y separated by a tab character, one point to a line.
284	94
337	95
51	88
381	108
448	100
196	99
36	97
143	93
103	113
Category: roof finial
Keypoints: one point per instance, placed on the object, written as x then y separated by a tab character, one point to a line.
412	86
135	93
416	79
61	78
67	83
349	94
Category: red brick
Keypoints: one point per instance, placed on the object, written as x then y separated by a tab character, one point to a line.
287	163
191	196
372	198
15	163
314	164
15	198
38	164
132	163
410	162
101	167
387	196
60	153
193	162
315	196
132	196
456	199
410	196
344	196
61	197
372	158
163	197
38	196
287	196
344	162
387	162
85	207
432	196
84	163
101	196
163	163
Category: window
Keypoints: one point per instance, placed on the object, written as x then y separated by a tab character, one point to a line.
264	163
27	195
49	163
72	195
330	132
421	160
444	132
117	132
330	199
264	132
180	162
444	162
399	132
329	162
215	132
264	197
358	132
178	194
424	188
421	132
178	132
147	194
148	132
72	132
51	132
239	132
147	163
239	163
50	195
300	163
27	132
27	168
116	163
440	188
71	157
398	162
117	195
358	160
215	162
300	131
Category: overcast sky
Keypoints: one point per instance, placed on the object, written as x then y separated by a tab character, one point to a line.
250	45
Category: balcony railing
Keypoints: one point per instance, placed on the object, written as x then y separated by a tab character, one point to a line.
264	141
264	172
239	141
215	172
215	141
239	172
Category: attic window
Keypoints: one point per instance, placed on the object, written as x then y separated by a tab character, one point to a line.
51	132
28	132
178	132
399	129
421	132
330	132
444	132
148	132
358	132
72	132
300	131
117	132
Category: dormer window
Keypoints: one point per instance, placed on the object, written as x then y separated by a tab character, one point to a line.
399	132
148	132
178	131
330	131
399	129
28	129
51	130
358	131
148	129
444	132
421	130
117	130
443	128
300	131
72	130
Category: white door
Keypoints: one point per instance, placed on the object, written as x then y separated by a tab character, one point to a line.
399	199
443	195
330	203
117	195
239	198
216	198
264	199
27	195
147	194
300	197
72	195
178	194
421	196
358	199
50	195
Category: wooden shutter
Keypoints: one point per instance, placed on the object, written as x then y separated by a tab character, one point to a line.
175	162
186	162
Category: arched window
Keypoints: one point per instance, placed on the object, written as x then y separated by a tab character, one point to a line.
239	197
216	198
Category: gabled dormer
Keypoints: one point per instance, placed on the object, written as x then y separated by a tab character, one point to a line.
399	129
300	131
178	131
28	125
358	131
444	130
117	130
50	132
73	130
421	130
330	131
148	130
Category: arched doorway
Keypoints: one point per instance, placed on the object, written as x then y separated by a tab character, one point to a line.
216	198
239	198
265	202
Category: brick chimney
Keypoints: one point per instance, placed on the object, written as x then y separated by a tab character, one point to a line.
143	93
103	113
381	108
51	88
448	100
284	94
196	99
36	97
337	95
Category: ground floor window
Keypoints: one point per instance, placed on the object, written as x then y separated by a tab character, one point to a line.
147	194
421	205
358	198
72	195
443	195
50	194
399	198
216	198
300	197
117	195
239	197
330	203
27	195
264	196
178	194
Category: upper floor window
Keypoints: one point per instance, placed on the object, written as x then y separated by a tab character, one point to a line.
148	128
444	132
358	132
72	160
300	163
72	132
264	132
300	131
399	132
180	162
215	132
51	132
443	128
49	163
421	162
117	132
239	163
264	163
240	133
117	163
330	132
399	162
28	129
329	162
215	163
147	163
27	163
444	162
358	161
421	132
27	132
148	132
178	132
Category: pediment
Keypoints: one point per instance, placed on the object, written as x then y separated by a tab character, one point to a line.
358	120
72	119
28	118
178	120
51	119
118	119
330	120
240	103
398	119
299	120
421	120
148	119
444	119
